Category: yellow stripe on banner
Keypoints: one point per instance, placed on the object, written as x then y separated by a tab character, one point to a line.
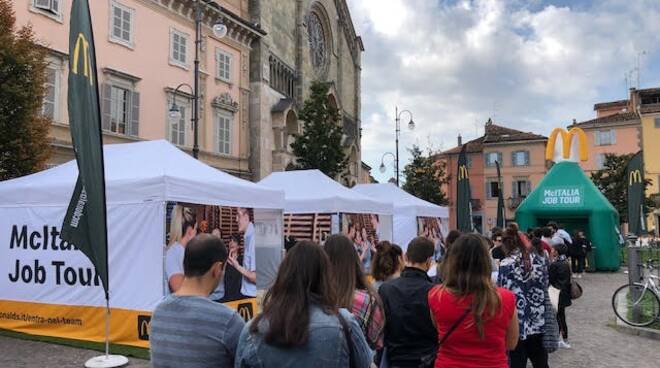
127	327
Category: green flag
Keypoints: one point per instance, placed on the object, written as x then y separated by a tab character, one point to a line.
636	185
463	205
499	222
85	220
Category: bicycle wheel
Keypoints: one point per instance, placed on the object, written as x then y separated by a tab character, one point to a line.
636	305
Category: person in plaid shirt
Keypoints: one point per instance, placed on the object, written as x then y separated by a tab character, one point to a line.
354	291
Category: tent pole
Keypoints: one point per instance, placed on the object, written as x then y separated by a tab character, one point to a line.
107	326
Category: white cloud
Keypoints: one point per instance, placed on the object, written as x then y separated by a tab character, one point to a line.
529	65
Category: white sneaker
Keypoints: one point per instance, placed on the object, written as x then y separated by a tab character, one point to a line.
579	276
574	275
564	345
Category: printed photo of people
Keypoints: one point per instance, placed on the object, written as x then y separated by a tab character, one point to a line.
363	230
432	229
234	226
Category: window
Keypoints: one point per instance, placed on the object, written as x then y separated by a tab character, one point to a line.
521	187
600	161
178	128
119	109
121	24
604	137
51	7
178	47
469	161
520	158
223	65
223	133
50	103
491	157
493	188
657	123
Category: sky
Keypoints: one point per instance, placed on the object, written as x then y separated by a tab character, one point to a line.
530	65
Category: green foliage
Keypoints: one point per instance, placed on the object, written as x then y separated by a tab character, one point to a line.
424	177
24	145
613	183
319	146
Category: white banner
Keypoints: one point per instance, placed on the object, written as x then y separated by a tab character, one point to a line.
37	266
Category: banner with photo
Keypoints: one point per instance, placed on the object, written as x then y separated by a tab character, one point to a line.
435	229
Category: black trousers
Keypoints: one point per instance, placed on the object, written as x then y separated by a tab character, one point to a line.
577	264
532	349
561	319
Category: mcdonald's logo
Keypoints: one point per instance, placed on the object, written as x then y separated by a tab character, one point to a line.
245	311
567	140
87	65
143	327
635	176
462	172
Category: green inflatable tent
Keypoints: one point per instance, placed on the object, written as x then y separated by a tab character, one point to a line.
567	196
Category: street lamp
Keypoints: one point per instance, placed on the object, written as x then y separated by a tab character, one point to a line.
411	126
382	161
220	31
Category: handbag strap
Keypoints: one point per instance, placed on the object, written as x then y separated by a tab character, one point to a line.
454	326
347	336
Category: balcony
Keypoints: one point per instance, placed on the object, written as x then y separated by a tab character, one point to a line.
513	203
476	204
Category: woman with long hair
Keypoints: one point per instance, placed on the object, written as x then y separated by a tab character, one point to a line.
183	227
387	263
353	290
525	273
476	322
300	325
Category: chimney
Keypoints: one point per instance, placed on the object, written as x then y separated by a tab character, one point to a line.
460	140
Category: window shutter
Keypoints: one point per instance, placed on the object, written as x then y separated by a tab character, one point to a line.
527	158
513	159
513	189
106	101
135	114
597	138
55	6
216	133
228	59
499	157
613	136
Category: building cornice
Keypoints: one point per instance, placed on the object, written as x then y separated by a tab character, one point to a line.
238	29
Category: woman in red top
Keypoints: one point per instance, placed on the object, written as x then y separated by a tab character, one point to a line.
485	318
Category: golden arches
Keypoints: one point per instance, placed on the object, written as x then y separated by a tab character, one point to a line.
567	141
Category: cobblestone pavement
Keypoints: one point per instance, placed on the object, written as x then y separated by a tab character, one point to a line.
594	344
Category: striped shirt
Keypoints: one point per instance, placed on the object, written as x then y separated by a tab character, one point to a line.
193	332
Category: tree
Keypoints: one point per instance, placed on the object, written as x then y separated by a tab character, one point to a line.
24	145
613	183
319	146
424	177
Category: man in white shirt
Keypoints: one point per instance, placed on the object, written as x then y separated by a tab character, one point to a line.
561	234
249	267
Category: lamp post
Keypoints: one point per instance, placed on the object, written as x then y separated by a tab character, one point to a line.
381	168
220	31
411	126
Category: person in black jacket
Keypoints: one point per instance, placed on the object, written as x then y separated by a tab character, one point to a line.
410	338
559	274
578	252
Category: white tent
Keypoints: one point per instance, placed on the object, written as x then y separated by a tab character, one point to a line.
144	171
311	191
407	208
52	280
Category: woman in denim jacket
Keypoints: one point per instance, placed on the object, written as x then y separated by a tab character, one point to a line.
300	325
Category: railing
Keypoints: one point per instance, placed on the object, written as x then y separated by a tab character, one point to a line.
476	204
515	202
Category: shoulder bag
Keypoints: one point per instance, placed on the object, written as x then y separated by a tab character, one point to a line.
428	361
576	290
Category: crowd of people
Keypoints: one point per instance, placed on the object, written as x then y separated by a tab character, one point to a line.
489	305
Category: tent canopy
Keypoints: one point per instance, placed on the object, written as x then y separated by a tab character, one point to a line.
311	191
144	171
404	203
567	196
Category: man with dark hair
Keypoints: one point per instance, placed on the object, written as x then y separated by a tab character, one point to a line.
497	252
249	266
187	328
410	338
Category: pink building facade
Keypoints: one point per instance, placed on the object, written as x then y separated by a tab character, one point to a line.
144	50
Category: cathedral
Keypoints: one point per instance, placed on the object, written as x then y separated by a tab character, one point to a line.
305	41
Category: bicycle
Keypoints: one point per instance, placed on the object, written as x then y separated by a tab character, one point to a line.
639	304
